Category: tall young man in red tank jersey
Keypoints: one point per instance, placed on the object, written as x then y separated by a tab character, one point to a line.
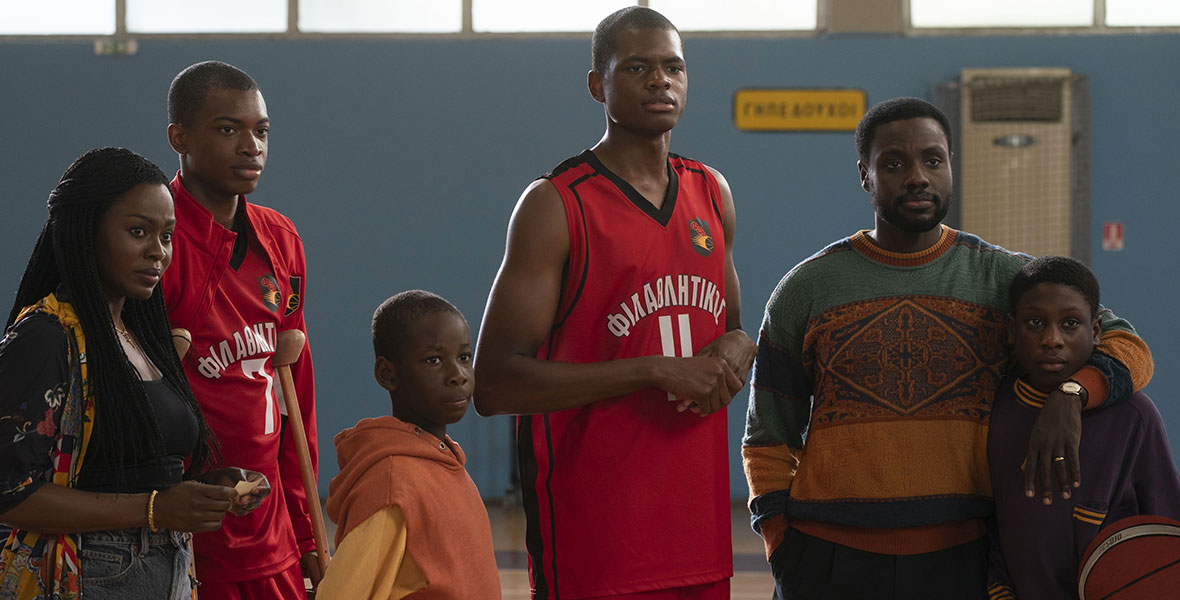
237	279
613	330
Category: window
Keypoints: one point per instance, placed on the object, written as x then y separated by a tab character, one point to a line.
1002	13
540	15
400	16
57	17
738	15
206	16
1142	13
98	17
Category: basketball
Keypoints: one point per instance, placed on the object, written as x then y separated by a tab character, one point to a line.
1134	558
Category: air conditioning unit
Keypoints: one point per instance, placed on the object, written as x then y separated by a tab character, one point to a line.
1023	178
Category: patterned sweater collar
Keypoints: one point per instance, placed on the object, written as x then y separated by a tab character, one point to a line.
861	242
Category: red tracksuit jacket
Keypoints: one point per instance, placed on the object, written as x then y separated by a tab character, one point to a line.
234	316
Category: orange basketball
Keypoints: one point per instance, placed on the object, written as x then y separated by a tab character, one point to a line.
1134	558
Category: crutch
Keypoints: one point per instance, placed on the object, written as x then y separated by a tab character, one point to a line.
288	347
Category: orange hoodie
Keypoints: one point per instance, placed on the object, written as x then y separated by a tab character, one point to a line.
384	462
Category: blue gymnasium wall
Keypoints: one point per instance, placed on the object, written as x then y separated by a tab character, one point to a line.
401	160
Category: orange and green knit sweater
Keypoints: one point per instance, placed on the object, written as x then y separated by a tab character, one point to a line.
872	389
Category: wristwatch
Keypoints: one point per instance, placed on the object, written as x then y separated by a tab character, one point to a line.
1071	387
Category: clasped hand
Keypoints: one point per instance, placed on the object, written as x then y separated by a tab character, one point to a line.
708	381
200	505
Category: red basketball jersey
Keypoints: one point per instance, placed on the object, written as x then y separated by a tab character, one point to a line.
626	495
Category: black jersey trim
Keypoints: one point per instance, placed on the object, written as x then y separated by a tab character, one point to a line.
702	172
552	507
661	215
565	165
534	541
586	263
241	242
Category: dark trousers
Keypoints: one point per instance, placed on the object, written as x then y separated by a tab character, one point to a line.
809	568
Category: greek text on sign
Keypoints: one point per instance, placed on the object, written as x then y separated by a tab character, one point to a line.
798	110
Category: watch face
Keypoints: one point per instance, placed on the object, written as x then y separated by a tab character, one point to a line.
1071	387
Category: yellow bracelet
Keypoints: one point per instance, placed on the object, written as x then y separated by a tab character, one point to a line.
152	510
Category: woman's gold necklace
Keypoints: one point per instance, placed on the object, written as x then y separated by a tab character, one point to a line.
127	336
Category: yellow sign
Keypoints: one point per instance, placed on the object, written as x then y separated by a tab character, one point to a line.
798	110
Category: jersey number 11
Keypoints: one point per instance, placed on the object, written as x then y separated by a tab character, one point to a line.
668	339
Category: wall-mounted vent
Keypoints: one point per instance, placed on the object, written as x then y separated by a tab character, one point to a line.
1023	170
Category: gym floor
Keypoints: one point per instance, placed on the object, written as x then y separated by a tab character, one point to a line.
751	575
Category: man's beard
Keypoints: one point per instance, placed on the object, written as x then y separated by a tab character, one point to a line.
897	218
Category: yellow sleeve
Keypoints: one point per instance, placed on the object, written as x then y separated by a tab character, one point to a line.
373	562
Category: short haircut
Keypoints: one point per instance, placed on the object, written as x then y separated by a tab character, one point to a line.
189	88
604	43
897	109
1056	269
394	318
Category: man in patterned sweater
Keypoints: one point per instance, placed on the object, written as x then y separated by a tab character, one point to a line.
884	350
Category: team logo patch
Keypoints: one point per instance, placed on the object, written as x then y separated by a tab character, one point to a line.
702	241
270	292
293	300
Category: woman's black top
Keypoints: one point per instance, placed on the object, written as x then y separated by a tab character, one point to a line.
34	384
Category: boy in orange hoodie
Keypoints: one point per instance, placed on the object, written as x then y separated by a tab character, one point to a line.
410	521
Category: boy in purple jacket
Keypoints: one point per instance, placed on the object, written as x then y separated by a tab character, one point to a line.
1127	465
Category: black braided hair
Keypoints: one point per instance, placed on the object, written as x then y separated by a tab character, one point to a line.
63	260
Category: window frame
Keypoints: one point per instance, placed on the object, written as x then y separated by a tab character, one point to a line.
1098	27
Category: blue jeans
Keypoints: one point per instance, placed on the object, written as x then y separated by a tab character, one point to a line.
136	564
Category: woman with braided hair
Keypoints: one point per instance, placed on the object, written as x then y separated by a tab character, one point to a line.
97	419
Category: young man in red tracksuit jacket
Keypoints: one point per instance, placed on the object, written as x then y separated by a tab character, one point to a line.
237	280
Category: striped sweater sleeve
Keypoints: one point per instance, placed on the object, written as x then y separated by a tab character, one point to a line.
778	415
1120	342
1120	366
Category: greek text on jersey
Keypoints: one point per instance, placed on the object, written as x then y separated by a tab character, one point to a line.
252	340
669	290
